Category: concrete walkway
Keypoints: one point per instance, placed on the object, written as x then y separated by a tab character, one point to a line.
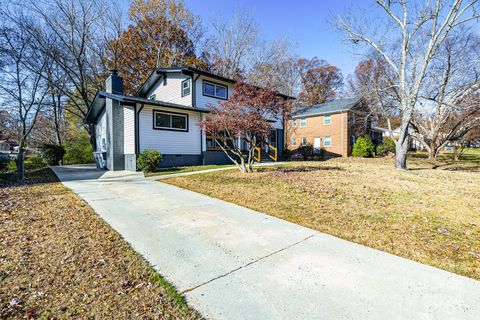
235	263
173	175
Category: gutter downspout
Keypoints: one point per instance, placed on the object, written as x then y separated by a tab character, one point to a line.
194	104
343	135
137	129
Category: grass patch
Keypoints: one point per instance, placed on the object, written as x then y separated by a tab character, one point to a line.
430	214
175	170
60	260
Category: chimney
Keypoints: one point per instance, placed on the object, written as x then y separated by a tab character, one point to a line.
114	83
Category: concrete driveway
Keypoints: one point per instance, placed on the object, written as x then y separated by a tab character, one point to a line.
235	263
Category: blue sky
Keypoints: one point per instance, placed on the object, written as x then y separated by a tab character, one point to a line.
305	22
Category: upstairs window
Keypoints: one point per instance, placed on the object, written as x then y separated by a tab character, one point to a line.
327	120
303	123
170	121
294	123
215	90
185	87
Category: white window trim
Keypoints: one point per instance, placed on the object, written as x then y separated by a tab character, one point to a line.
303	122
325	117
170	114
187	81
325	141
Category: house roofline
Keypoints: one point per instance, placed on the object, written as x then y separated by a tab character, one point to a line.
156	74
98	104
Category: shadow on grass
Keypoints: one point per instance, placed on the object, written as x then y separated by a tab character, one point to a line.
43	175
301	169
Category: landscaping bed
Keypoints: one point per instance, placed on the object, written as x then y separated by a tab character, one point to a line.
60	260
430	214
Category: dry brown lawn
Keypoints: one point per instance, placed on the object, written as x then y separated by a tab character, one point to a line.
428	215
60	260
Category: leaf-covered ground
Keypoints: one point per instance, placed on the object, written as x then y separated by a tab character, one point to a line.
60	260
424	214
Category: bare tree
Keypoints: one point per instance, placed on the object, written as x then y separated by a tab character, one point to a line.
449	107
407	37
23	92
232	44
274	66
374	82
67	32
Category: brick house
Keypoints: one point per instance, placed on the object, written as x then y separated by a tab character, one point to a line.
331	126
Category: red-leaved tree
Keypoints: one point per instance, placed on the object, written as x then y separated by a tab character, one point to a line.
247	117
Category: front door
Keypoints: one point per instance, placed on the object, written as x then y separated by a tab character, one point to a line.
317	144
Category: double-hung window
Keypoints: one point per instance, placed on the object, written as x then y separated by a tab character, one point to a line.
304	141
327	141
163	120
294	142
303	122
215	90
185	87
327	120
294	123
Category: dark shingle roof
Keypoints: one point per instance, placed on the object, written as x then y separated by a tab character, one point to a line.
99	103
328	107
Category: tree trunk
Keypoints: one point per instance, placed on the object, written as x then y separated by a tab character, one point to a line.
21	162
432	152
401	155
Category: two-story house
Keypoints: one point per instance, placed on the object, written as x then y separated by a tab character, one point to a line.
163	115
332	127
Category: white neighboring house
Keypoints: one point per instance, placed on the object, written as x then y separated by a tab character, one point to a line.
163	115
413	142
8	147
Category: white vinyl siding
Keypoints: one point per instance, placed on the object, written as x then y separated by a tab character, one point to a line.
203	101
129	130
101	133
172	91
166	141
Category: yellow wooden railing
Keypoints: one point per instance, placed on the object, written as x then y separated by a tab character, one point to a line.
259	154
273	156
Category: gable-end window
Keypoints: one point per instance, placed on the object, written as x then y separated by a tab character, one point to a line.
304	141
215	90
327	141
294	142
327	120
303	122
170	121
294	123
185	87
